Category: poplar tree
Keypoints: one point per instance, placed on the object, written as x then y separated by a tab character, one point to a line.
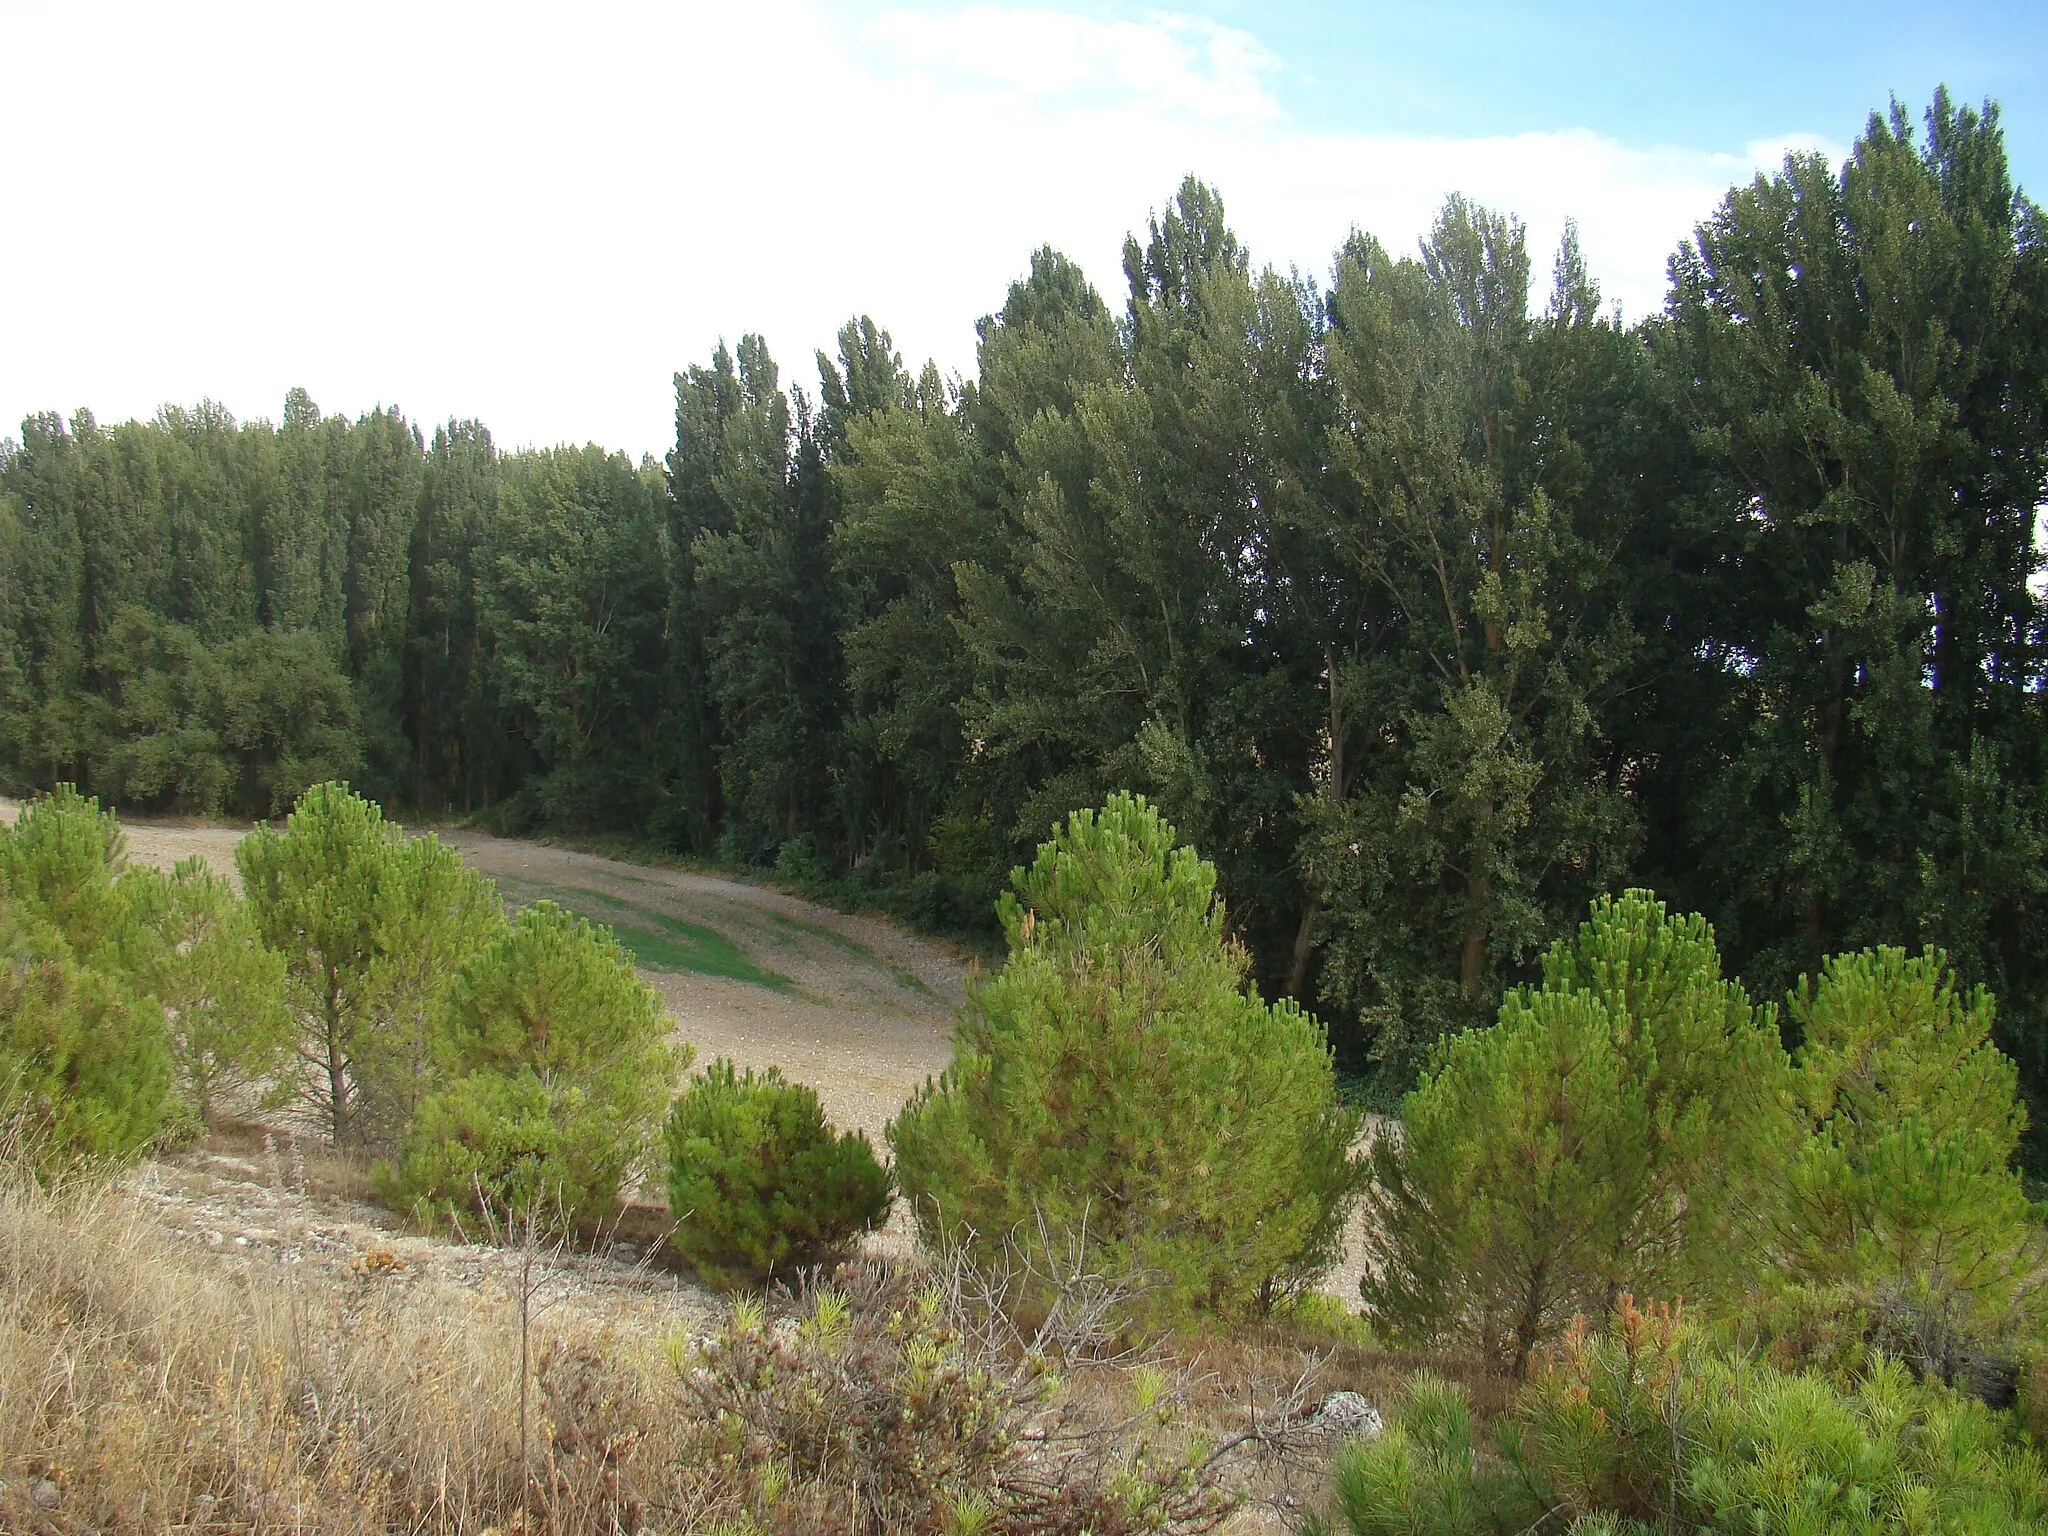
1482	808
1861	350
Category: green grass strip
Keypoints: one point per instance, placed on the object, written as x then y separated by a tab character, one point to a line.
903	976
655	940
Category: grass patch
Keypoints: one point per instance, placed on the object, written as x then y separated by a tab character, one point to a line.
655	940
902	975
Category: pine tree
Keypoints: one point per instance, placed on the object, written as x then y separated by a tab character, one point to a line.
1621	1128
1120	1084
559	1069
191	945
1905	1191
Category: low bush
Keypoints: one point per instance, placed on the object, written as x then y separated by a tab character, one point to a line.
892	1407
758	1181
1648	1425
1421	1475
501	1146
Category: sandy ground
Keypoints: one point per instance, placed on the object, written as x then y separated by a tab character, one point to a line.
866	1021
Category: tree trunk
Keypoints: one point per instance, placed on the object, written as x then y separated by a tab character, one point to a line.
1337	787
1529	1326
1304	946
339	1109
1472	956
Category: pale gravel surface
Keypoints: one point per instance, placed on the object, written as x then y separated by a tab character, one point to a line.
867	1020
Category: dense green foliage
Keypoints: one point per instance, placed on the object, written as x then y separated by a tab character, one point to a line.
85	1062
372	926
193	945
1427	616
758	1181
1650	1427
1903	1200
1634	1126
1119	1085
84	1069
1622	1127
515	1068
556	1071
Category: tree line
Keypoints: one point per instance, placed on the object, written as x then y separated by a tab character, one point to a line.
1428	612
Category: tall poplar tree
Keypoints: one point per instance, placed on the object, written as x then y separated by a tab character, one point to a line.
1482	812
1863	347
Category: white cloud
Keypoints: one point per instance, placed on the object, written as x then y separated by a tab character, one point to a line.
536	214
1170	62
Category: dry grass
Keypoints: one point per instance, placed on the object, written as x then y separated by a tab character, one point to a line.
141	1390
146	1388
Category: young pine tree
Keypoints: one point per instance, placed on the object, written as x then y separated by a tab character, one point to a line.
1904	1193
1617	1129
192	945
757	1179
314	890
433	912
59	861
559	1068
83	1066
372	927
1119	1081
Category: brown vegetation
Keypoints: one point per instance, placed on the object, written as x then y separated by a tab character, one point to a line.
147	1386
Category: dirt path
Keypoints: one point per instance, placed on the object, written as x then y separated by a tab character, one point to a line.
856	1008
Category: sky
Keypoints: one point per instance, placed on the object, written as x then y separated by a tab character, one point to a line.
534	215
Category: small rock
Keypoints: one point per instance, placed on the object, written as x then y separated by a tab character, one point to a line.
1347	1413
44	1494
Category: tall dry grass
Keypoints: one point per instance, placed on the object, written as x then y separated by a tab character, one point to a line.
144	1389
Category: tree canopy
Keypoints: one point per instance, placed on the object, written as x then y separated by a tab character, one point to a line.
1429	607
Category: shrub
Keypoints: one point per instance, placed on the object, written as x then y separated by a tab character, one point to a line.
502	1146
1420	1476
1904	1194
1121	1081
559	1067
1647	1426
892	1406
758	1181
1621	1125
84	1072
